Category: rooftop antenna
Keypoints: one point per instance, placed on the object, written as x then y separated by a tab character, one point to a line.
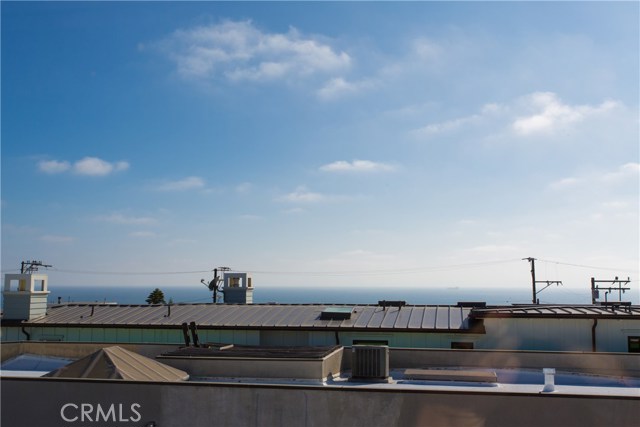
28	267
215	285
595	289
534	282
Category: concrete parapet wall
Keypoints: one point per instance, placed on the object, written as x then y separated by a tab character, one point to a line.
73	350
289	368
616	364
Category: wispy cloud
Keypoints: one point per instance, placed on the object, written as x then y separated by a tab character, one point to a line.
624	173
339	87
188	183
302	195
244	187
294	211
51	238
94	166
538	113
549	113
239	51
357	166
89	166
565	183
118	218
53	166
142	234
488	112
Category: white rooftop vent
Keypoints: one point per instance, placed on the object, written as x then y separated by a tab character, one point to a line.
370	363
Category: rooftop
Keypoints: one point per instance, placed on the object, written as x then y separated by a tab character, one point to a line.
262	316
611	310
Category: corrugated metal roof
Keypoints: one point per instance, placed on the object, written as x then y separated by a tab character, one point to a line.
560	311
259	316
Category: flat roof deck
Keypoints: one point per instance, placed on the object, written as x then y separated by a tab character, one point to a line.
510	381
249	351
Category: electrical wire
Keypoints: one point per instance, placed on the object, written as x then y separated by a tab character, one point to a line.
592	267
130	273
297	273
381	272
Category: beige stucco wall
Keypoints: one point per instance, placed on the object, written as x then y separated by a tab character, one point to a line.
230	405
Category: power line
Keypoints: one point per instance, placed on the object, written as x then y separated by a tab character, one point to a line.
297	273
382	272
337	273
590	266
129	273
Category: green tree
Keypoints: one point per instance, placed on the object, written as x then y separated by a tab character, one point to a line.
156	297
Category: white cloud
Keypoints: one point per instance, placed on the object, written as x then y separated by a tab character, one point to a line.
446	126
626	171
338	87
550	113
118	218
302	195
244	187
565	183
239	51
294	211
188	183
533	114
53	166
93	166
426	49
357	166
90	166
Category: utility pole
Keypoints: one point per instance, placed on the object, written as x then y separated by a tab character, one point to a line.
595	289
535	300
532	261
29	267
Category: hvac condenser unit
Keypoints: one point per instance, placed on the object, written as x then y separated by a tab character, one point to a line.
370	363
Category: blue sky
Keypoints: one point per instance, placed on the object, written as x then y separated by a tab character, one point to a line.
380	144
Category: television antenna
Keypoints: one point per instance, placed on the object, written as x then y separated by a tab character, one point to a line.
215	284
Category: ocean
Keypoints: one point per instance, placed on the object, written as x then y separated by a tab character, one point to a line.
353	295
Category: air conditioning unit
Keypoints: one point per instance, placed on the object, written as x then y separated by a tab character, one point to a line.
370	363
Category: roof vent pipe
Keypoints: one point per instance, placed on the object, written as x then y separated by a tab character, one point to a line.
185	334
549	380
194	334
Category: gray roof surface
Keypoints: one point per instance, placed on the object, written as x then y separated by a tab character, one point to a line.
259	316
253	351
560	311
